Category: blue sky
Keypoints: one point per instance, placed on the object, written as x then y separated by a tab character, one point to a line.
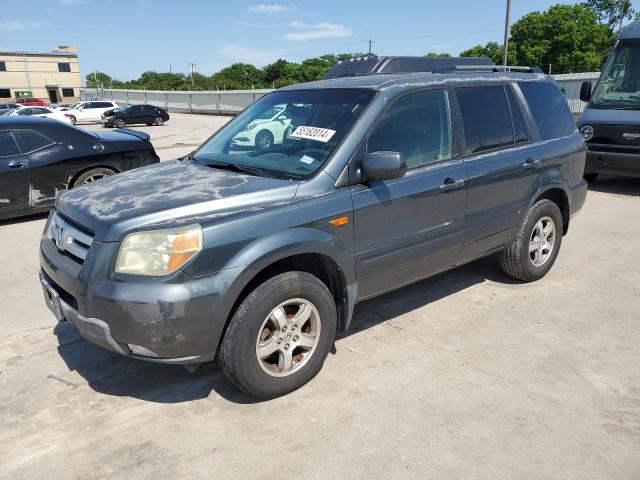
127	37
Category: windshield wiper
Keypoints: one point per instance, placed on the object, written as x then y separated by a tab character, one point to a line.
234	167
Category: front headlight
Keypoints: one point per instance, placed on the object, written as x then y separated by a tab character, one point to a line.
587	132
158	252
251	126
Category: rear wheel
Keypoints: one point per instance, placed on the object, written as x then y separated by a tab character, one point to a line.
535	249
118	122
73	119
591	177
280	335
158	121
91	176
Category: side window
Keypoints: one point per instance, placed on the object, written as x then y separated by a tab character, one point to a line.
418	126
519	130
3	67
28	140
8	145
39	111
549	109
486	118
64	67
105	105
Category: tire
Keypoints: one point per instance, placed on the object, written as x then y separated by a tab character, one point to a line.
73	119
118	123
590	177
254	322
264	140
517	260
91	176
158	121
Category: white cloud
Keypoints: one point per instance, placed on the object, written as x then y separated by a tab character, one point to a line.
14	25
314	32
72	3
271	8
254	56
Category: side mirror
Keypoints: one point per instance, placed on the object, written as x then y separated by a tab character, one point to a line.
384	166
585	91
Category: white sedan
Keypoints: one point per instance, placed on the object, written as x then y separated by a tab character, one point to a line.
42	112
265	131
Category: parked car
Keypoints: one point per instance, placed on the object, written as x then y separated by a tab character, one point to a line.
265	132
30	102
88	112
135	114
256	258
610	123
40	157
8	106
60	106
39	112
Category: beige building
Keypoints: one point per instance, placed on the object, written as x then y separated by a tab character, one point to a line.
51	76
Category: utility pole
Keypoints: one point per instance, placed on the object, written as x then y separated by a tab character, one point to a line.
370	42
622	4
506	33
191	66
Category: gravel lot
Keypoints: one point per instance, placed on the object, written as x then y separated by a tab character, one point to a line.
465	375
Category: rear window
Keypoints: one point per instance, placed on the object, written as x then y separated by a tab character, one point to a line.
549	109
30	140
486	118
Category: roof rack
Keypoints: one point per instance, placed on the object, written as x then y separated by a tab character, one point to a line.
486	68
386	65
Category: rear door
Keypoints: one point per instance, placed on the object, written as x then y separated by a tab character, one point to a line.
15	177
410	227
503	165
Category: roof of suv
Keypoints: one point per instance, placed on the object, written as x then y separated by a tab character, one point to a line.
408	80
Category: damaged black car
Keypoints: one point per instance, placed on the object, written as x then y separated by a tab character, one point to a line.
39	158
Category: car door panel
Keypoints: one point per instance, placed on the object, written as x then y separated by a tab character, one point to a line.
408	228
15	176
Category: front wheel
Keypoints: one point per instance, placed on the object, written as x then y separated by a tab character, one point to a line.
590	177
119	123
535	249
280	335
91	176
73	119
264	140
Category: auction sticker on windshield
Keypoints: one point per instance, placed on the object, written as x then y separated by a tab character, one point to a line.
313	133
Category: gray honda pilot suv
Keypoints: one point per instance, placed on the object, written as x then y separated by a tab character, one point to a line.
254	253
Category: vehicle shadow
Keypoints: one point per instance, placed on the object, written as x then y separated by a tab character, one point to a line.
617	185
111	374
25	219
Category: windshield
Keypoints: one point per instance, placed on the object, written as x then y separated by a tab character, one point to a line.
619	85
286	134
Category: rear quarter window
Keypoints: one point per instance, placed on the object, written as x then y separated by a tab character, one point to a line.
549	109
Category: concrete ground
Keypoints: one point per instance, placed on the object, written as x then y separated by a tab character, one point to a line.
465	375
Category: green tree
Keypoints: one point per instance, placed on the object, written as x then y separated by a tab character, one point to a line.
612	12
98	80
436	55
569	37
494	51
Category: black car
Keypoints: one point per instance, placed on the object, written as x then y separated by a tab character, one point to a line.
40	158
135	114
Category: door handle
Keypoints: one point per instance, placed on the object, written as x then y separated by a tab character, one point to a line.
531	163
15	164
451	184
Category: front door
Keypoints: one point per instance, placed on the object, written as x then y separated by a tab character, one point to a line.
503	166
14	175
53	95
411	227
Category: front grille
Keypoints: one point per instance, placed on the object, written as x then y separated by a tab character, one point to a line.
629	150
69	237
616	135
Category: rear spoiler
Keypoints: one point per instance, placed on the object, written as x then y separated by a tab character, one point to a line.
135	133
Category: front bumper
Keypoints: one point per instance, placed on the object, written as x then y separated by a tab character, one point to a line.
601	161
179	319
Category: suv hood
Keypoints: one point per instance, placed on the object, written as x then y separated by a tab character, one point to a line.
166	194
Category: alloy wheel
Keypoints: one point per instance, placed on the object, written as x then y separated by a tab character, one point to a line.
542	241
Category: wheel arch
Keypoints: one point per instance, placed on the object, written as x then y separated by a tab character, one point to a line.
77	174
558	195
